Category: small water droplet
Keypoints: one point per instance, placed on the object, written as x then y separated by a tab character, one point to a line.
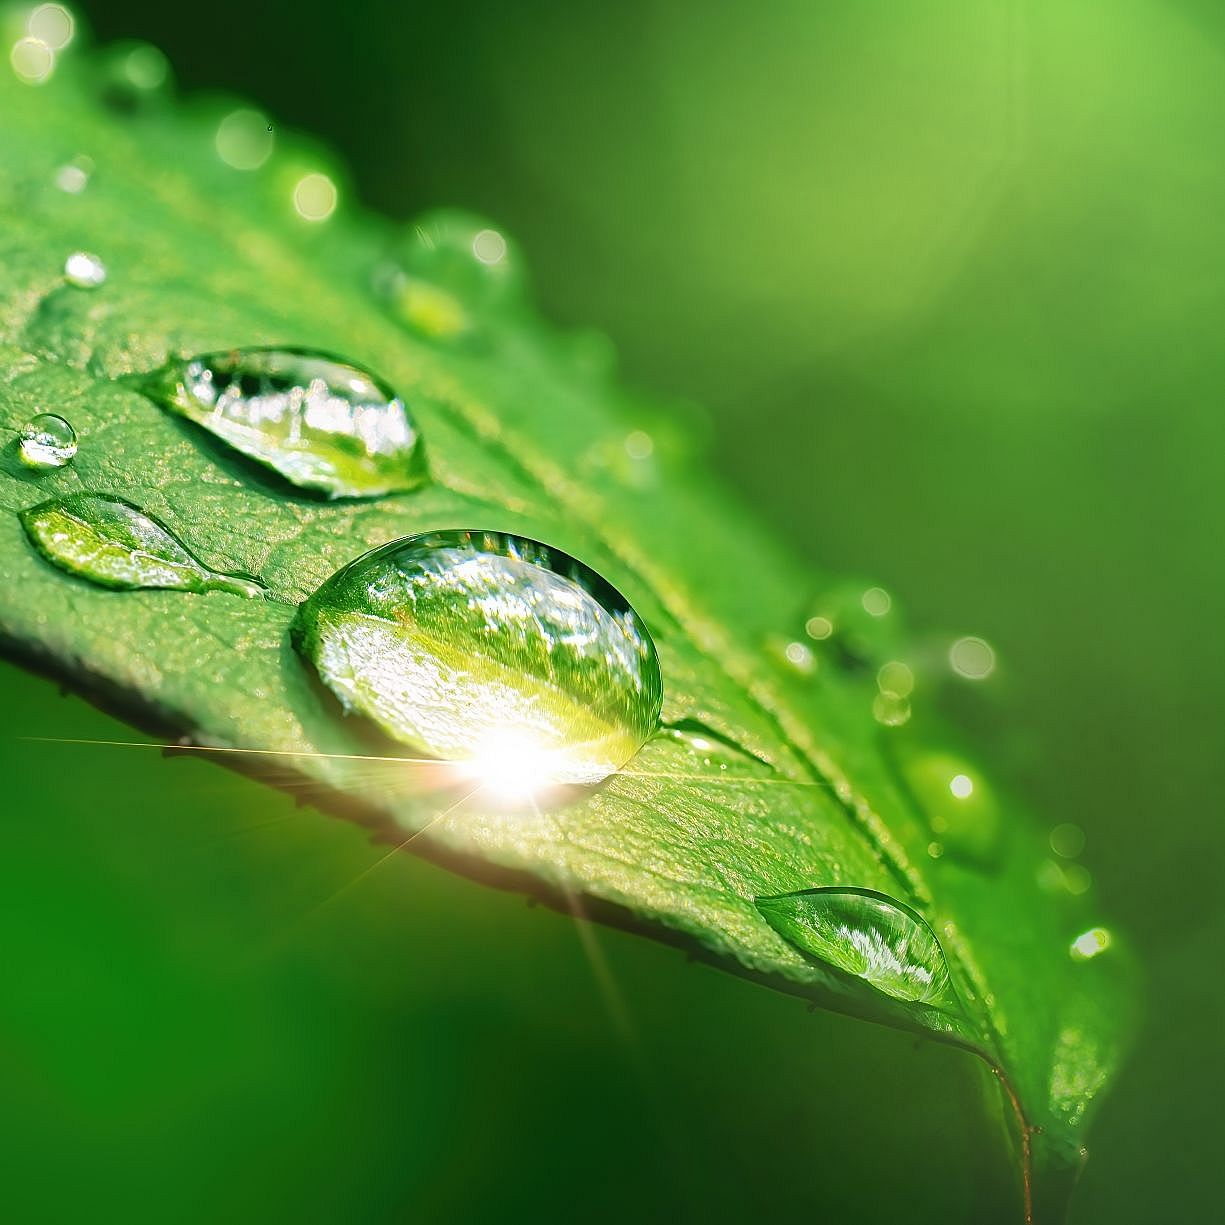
855	637
135	76
868	935
320	422
47	441
115	544
450	274
489	649
639	445
73	177
1076	879
32	60
1055	877
244	139
1067	840
935	849
84	270
315	197
876	602
53	24
956	801
895	678
890	710
818	628
1090	944
972	658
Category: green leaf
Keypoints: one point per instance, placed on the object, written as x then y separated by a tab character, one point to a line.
777	777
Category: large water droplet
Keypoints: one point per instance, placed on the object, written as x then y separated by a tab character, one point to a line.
322	423
244	139
47	441
84	270
450	274
868	935
957	802
112	543
489	649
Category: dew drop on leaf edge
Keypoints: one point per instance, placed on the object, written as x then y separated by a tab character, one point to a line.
322	423
47	441
488	649
115	544
868	936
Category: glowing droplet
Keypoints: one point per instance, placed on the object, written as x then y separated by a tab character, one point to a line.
1067	840
876	601
868	935
84	270
798	656
244	139
489	247
320	422
956	801
73	177
47	441
461	643
110	542
315	197
972	658
1090	944
818	628
52	24
32	60
889	709
896	678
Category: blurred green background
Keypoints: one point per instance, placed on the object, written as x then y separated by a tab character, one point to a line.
948	279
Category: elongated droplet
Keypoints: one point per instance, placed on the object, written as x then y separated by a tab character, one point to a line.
450	274
115	544
322	423
871	936
957	802
47	441
489	649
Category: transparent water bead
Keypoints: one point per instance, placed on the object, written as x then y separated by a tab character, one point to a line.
322	423
857	625
868	935
84	270
47	441
449	274
113	543
489	649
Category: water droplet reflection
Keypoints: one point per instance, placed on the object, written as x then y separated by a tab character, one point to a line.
450	641
895	678
315	197
73	177
876	601
47	441
972	658
84	270
32	60
244	139
868	935
1090	944
1067	840
890	710
52	24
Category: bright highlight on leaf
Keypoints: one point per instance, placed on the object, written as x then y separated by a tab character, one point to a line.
490	649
